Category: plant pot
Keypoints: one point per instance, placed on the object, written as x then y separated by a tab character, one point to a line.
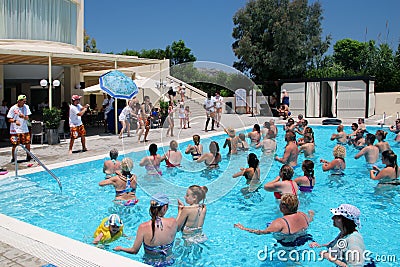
52	137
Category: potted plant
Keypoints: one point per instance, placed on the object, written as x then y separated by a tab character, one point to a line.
51	119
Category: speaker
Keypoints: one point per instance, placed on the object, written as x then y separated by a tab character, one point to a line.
82	85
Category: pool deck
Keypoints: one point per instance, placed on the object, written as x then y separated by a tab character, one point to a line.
22	244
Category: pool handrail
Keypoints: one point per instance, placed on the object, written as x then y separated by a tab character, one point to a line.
37	160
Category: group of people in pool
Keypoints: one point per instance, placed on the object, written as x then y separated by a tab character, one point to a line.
291	229
158	234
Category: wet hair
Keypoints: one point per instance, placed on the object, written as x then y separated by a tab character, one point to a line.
127	164
252	160
349	226
114	153
290	136
257	127
308	168
381	133
370	138
286	172
199	191
242	136
392	158
308	138
339	151
354	125
196	139
290	201
153	149
340	127
212	145
154	210
267	125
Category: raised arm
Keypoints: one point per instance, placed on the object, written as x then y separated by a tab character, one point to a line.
241	173
361	153
273	185
274	227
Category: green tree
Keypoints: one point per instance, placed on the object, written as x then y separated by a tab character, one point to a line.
178	53
89	44
278	38
354	55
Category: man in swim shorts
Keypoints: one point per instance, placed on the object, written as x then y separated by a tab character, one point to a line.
18	117
76	112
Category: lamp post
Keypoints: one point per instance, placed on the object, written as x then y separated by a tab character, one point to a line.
44	83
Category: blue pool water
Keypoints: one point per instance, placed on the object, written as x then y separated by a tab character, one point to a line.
79	209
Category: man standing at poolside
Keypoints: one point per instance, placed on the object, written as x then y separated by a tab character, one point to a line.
209	106
18	116
75	122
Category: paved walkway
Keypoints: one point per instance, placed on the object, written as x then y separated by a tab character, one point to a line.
99	145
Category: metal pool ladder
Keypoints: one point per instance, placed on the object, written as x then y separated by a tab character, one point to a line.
37	160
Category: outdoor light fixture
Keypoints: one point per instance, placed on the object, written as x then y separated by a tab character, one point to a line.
44	83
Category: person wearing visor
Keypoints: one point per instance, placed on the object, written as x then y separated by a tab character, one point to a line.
18	117
347	249
110	229
156	235
76	112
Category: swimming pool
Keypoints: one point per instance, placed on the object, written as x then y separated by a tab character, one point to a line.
79	209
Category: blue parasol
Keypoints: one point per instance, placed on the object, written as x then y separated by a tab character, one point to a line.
118	85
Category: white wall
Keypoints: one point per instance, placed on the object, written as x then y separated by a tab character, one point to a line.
351	99
387	102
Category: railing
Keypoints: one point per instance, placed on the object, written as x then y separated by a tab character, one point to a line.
194	93
37	160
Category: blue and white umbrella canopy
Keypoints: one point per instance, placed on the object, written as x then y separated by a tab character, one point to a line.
118	85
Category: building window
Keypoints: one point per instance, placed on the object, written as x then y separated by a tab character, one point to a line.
49	20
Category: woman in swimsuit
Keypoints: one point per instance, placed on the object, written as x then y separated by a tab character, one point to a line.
124	183
212	158
337	165
285	186
197	150
382	144
173	157
152	162
156	235
255	134
170	120
346	218
191	218
389	174
290	230
306	183
252	173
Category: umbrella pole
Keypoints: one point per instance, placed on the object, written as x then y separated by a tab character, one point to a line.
116	116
